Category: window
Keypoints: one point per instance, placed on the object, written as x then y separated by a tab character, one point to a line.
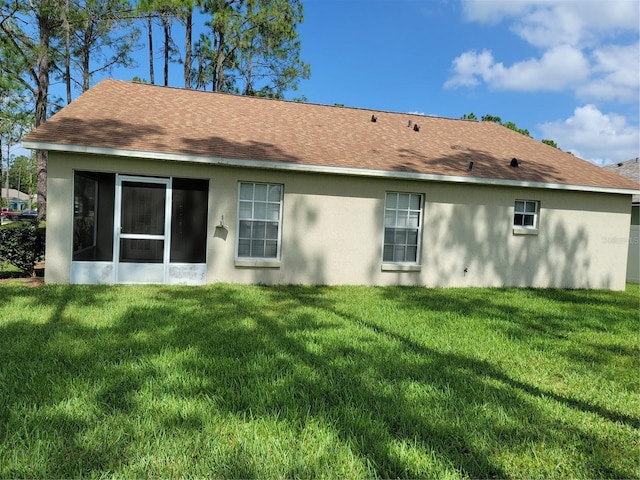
402	226
259	220
526	214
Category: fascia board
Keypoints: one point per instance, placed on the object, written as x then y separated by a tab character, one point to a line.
297	167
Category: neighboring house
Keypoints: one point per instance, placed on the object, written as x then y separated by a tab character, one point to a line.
631	169
16	200
150	184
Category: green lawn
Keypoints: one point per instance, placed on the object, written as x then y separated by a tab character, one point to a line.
9	271
300	382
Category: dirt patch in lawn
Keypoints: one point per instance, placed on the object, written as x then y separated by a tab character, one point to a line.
26	281
35	281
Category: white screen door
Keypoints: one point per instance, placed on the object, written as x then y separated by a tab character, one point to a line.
142	229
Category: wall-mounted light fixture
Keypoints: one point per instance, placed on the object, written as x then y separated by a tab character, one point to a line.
222	225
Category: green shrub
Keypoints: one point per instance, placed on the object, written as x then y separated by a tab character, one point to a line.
22	245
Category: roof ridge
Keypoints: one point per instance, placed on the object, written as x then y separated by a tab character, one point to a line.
282	100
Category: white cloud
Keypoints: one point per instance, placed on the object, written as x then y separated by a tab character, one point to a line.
468	67
571	35
595	136
616	74
545	23
558	68
494	11
553	25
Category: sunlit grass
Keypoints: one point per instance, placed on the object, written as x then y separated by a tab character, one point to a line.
303	382
9	271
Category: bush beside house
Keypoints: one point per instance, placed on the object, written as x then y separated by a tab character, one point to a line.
22	245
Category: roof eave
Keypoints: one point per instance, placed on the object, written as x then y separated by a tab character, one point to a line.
297	167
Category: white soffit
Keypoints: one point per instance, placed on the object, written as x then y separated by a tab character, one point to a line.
297	167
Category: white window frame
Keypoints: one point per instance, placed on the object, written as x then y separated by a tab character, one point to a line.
248	260
399	222
522	208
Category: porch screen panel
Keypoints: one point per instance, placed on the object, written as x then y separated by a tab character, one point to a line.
93	209
140	250
143	208
189	211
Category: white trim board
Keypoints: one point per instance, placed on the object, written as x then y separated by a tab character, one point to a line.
297	167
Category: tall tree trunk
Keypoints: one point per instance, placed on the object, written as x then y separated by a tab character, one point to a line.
67	51
42	71
187	47
152	79
86	74
218	63
167	46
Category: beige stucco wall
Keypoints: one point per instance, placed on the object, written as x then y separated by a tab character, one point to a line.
332	229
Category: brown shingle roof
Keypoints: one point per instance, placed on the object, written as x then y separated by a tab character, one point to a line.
146	118
629	169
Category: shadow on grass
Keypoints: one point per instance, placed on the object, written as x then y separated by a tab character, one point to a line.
569	330
4	274
292	353
486	370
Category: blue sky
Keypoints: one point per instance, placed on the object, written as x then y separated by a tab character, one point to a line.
567	70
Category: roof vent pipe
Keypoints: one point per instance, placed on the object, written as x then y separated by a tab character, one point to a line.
409	124
515	162
416	128
470	166
374	118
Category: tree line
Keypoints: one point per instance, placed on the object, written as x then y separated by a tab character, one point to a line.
509	125
249	47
